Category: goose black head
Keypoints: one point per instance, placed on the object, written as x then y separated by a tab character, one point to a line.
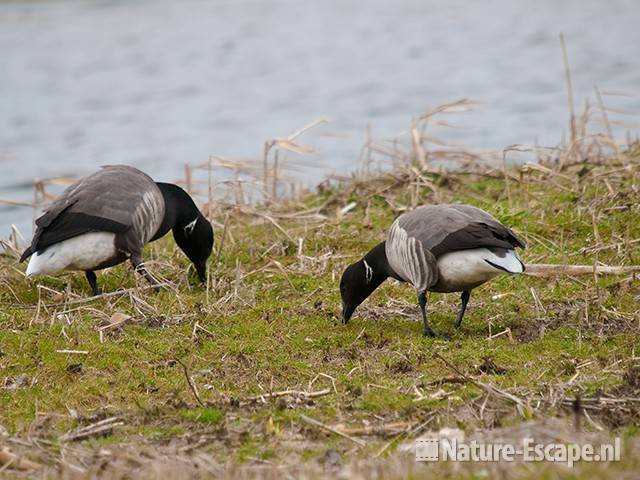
191	230
360	279
195	239
353	289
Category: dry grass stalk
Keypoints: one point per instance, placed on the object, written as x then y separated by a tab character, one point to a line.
605	120
316	423
187	178
17	203
546	270
283	144
522	408
103	427
9	459
416	153
410	434
117	320
569	87
263	397
384	430
11	245
190	382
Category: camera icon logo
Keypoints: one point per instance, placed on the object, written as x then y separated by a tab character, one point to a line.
427	450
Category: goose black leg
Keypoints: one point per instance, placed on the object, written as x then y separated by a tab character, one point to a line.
422	300
93	282
138	266
465	299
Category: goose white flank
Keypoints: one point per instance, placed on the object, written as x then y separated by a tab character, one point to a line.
439	248
108	217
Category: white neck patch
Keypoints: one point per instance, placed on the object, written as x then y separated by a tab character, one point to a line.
188	228
368	271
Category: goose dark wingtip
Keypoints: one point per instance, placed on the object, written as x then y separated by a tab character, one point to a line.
518	242
26	254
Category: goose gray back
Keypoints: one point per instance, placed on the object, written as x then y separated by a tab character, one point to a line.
105	218
439	248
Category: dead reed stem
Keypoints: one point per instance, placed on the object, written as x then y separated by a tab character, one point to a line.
546	270
316	423
569	87
11	460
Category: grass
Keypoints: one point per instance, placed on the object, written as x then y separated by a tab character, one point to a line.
207	416
185	372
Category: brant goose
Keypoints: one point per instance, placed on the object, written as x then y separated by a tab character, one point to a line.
440	248
109	216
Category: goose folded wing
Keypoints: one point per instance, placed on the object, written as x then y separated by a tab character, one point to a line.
477	235
448	228
104	202
68	225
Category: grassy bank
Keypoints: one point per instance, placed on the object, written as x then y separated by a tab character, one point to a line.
225	378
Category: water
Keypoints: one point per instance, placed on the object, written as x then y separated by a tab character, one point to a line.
157	83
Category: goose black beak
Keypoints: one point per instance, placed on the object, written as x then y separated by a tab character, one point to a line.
347	312
201	270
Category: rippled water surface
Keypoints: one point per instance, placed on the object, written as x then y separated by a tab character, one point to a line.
157	83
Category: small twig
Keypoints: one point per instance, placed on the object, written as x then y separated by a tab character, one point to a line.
11	460
388	429
308	126
275	224
116	320
197	327
280	267
224	236
590	420
99	428
236	282
286	393
539	311
316	423
506	331
521	406
193	388
410	433
447	380
97	297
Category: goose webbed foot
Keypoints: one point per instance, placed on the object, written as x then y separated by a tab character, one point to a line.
429	332
464	298
93	282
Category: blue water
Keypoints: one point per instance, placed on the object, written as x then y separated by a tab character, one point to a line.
158	83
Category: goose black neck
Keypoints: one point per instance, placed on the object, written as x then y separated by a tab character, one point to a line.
360	279
179	208
376	259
